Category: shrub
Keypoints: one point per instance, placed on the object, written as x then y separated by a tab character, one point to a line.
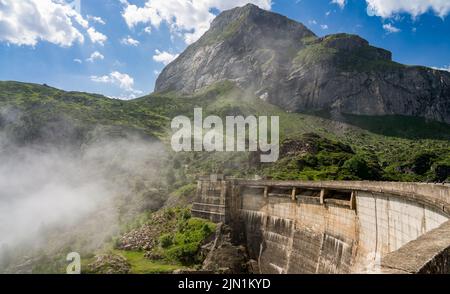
423	162
184	253
165	240
185	243
359	167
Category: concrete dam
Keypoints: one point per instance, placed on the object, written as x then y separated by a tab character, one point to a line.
296	227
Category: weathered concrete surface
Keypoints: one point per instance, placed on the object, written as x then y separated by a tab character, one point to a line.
211	197
429	253
434	195
388	222
298	237
335	227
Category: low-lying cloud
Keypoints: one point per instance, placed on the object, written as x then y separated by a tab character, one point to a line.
82	192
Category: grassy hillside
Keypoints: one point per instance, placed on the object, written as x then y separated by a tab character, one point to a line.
313	147
378	148
29	109
391	148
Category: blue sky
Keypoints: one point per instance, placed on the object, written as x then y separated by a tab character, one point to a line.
118	47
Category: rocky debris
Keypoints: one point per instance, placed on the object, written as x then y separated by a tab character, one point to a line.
284	63
223	256
139	239
292	147
109	264
153	255
145	238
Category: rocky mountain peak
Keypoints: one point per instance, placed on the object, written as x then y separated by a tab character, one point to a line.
283	62
252	17
247	45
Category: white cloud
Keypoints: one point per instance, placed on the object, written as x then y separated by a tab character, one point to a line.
388	8
96	37
76	60
190	19
96	19
341	3
447	68
391	29
128	41
123	81
26	22
148	30
95	56
324	27
312	22
164	57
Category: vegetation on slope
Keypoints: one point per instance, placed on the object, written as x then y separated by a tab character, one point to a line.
347	52
314	147
28	110
158	242
378	152
389	152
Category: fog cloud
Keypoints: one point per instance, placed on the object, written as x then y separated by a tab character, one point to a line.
73	189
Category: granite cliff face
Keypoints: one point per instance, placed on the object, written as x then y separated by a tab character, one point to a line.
284	63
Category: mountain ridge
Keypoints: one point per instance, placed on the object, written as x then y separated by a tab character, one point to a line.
286	64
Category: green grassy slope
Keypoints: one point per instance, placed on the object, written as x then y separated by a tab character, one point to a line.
398	148
29	107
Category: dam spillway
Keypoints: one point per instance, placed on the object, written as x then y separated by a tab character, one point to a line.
333	227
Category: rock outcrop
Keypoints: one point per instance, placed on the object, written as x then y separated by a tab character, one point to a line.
224	256
283	62
109	264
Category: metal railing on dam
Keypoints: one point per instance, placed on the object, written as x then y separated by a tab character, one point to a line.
334	227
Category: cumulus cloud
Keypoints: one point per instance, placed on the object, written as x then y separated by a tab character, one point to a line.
341	3
388	8
27	22
123	81
96	37
95	56
128	41
96	19
389	28
190	19
164	57
324	27
77	60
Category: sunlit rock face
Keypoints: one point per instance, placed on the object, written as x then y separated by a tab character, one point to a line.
285	63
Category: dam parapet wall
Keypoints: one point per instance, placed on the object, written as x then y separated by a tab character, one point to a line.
331	227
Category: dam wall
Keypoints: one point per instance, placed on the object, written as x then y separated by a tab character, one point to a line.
333	227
